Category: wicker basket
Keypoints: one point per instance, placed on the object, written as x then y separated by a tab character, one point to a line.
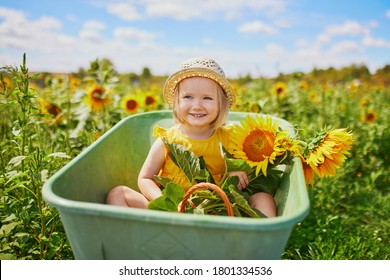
201	186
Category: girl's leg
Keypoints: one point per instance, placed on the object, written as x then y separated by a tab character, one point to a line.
125	196
263	202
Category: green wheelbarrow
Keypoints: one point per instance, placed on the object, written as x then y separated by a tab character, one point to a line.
99	231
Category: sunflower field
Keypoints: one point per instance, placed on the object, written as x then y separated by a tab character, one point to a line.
47	119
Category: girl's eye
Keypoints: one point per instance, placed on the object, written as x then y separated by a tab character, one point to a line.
208	98
187	97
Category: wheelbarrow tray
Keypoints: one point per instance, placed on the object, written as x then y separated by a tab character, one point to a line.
99	231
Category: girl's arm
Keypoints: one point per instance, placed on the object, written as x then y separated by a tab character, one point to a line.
152	166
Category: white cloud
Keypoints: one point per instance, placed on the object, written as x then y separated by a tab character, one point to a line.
126	11
19	33
257	27
345	46
188	9
388	13
90	30
130	33
47	23
274	49
348	28
94	25
352	28
369	41
11	15
173	9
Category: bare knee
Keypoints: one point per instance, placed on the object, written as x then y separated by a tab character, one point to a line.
125	196
264	202
117	196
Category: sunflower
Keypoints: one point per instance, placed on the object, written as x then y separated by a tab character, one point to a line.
313	97
363	103
50	109
74	82
5	82
130	103
97	98
308	172
258	141
279	89
254	107
327	152
150	100
369	117
303	85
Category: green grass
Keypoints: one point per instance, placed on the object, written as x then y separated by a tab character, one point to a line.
346	221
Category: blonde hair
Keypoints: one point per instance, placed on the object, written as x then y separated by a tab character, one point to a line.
223	108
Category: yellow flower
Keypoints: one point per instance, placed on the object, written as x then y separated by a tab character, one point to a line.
313	97
150	100
329	153
49	108
6	82
308	172
74	82
279	89
254	107
369	117
155	88
364	102
97	98
130	103
258	141
303	85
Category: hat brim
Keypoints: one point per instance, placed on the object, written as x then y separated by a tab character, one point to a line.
174	79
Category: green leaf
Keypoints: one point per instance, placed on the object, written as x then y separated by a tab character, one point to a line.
186	161
7	228
232	180
59	154
163	181
172	195
234	165
162	203
15	161
175	192
268	184
243	205
34	76
9	103
207	177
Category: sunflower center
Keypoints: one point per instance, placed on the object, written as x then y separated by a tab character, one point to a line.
97	94
257	145
53	109
279	90
370	117
131	104
150	100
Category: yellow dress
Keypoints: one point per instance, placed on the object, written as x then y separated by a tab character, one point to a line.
209	148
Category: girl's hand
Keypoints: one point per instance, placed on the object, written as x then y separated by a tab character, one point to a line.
244	181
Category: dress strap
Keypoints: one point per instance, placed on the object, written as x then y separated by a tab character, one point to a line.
159	131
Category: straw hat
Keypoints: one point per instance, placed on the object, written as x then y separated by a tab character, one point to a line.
198	67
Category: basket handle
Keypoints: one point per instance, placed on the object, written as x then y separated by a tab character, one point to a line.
204	185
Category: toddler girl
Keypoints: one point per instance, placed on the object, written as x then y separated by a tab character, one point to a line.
200	97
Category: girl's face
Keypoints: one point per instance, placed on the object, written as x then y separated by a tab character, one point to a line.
197	103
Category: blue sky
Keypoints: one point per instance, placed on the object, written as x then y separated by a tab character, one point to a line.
259	37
